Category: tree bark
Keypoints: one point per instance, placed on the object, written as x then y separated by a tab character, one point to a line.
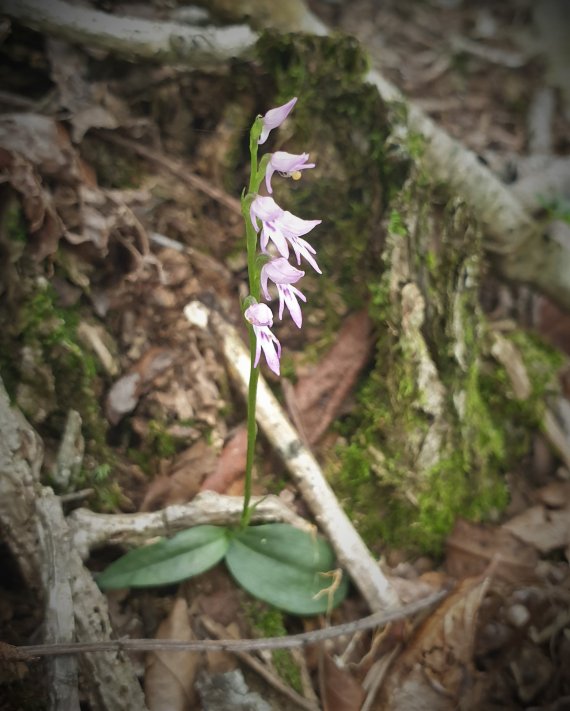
37	533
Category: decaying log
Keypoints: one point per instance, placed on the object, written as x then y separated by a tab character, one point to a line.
351	551
130	37
35	530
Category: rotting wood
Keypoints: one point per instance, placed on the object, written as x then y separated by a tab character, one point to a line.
351	551
37	534
132	37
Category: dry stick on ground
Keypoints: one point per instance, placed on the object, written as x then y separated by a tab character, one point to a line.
352	553
91	530
37	534
177	168
294	641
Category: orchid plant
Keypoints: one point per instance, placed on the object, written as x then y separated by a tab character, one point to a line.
275	562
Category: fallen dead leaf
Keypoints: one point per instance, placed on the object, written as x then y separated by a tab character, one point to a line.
544	529
124	394
435	672
42	142
69	73
169	676
471	548
320	394
44	224
339	689
230	465
183	479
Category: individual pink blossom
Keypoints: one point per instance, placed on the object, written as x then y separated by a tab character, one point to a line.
261	319
292	227
269	212
283	275
274	118
286	164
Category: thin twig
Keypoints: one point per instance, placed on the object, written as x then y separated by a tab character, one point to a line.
378	619
176	167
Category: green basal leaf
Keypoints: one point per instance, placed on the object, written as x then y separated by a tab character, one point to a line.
171	560
284	566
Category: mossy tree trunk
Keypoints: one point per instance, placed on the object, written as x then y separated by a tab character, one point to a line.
436	426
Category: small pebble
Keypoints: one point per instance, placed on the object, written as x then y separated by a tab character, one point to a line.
518	615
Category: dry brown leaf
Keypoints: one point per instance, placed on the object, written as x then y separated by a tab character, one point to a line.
169	676
43	222
230	466
76	94
555	495
471	548
542	528
435	672
320	394
183	478
339	689
124	394
42	142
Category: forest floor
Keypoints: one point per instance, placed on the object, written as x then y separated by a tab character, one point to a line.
141	167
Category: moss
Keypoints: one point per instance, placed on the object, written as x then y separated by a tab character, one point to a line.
382	493
14	223
267	621
385	220
57	372
396	493
54	330
342	122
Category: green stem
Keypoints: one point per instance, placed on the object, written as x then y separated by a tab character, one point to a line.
255	178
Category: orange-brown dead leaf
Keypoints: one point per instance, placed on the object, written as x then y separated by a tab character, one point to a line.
435	672
230	465
169	676
183	478
320	394
471	548
339	689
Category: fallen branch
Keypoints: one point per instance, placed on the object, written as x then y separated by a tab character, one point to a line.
352	553
131	37
293	641
176	168
91	530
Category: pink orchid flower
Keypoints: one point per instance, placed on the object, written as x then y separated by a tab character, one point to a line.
288	165
274	118
261	319
292	227
269	212
283	275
